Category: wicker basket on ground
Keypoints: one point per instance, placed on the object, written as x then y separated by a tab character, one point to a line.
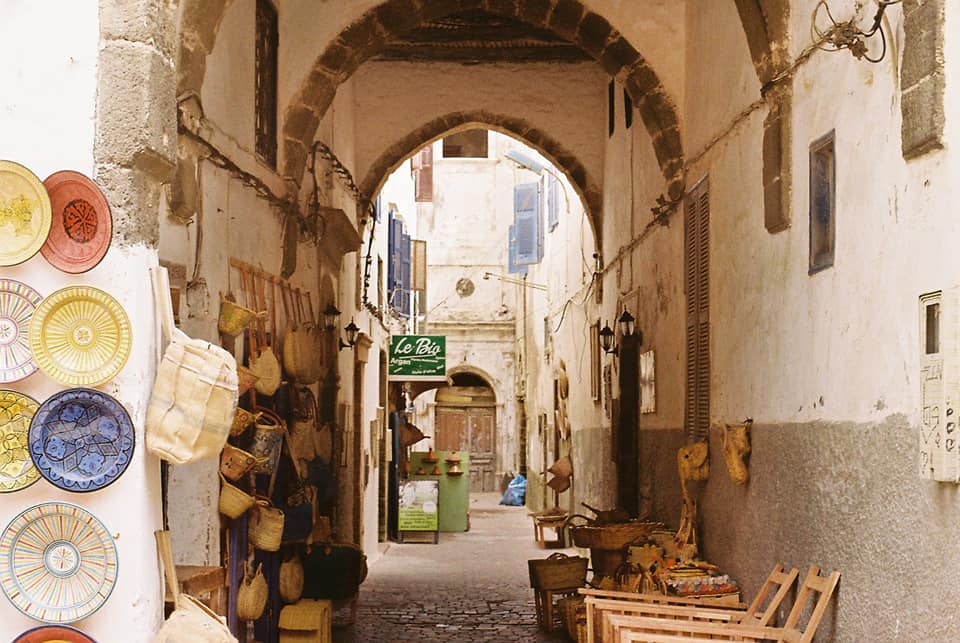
613	536
558	571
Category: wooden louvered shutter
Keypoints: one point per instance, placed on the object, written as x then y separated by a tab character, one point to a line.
696	259
423	175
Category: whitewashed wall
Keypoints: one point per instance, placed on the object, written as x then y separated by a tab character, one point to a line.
47	114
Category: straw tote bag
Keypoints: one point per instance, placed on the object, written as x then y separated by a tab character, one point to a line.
191	620
194	398
263	361
300	356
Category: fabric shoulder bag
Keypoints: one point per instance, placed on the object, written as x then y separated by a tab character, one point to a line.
194	398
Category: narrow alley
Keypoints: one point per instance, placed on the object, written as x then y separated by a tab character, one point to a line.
472	586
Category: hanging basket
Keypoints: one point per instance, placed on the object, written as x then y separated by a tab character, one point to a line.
234	317
234	502
252	596
267	440
266	526
242	420
291	580
235	462
558	571
246	379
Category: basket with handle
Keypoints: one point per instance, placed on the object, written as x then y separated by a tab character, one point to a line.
266	526
252	595
234	502
235	462
612	536
268	433
242	420
234	317
291	579
558	571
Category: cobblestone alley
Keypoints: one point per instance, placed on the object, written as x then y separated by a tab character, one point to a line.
472	586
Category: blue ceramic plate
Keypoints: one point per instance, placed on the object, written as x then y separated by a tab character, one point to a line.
81	439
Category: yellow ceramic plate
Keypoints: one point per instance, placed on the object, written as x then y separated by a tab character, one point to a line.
16	467
24	213
80	336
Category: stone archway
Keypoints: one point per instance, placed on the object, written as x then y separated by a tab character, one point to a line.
569	19
586	187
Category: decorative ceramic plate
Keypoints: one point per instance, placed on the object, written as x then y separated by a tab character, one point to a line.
81	440
80	336
58	563
81	225
24	213
17	303
16	468
53	634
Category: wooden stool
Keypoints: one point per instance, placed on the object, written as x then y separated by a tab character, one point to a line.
555	521
198	580
543	600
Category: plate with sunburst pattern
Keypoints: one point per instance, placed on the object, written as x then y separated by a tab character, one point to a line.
18	301
58	562
80	336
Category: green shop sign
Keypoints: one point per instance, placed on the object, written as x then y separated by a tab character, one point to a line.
418	357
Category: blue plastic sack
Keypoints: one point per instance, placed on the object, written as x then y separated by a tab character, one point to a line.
516	492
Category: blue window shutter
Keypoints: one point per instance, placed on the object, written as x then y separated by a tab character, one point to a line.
512	267
553	203
405	247
391	251
526	210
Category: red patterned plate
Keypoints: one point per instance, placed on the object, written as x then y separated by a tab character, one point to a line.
53	634
82	226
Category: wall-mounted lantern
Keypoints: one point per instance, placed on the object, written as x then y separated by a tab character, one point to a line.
627	329
331	315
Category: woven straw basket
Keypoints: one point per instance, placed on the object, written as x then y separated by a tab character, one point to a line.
242	420
234	502
252	596
291	580
558	571
616	536
234	317
246	379
235	462
266	526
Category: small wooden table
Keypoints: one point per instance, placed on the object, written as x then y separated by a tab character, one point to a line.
549	521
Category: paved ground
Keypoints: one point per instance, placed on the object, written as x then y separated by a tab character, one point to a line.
473	586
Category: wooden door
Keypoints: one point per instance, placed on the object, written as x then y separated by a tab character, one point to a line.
471	430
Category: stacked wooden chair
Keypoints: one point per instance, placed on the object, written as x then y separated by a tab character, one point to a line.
706	624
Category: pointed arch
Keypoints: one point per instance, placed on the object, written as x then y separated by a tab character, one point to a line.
586	187
570	19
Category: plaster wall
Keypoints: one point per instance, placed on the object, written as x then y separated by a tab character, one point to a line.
561	100
827	364
46	133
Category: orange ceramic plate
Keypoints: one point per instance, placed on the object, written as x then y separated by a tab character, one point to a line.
81	224
24	213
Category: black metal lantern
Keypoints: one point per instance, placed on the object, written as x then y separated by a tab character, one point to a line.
331	314
627	324
351	330
606	340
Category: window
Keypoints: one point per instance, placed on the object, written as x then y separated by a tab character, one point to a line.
469	144
266	82
611	108
527	228
627	110
553	203
422	168
932	334
822	203
398	266
696	263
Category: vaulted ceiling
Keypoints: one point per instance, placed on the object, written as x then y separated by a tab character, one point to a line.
479	36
